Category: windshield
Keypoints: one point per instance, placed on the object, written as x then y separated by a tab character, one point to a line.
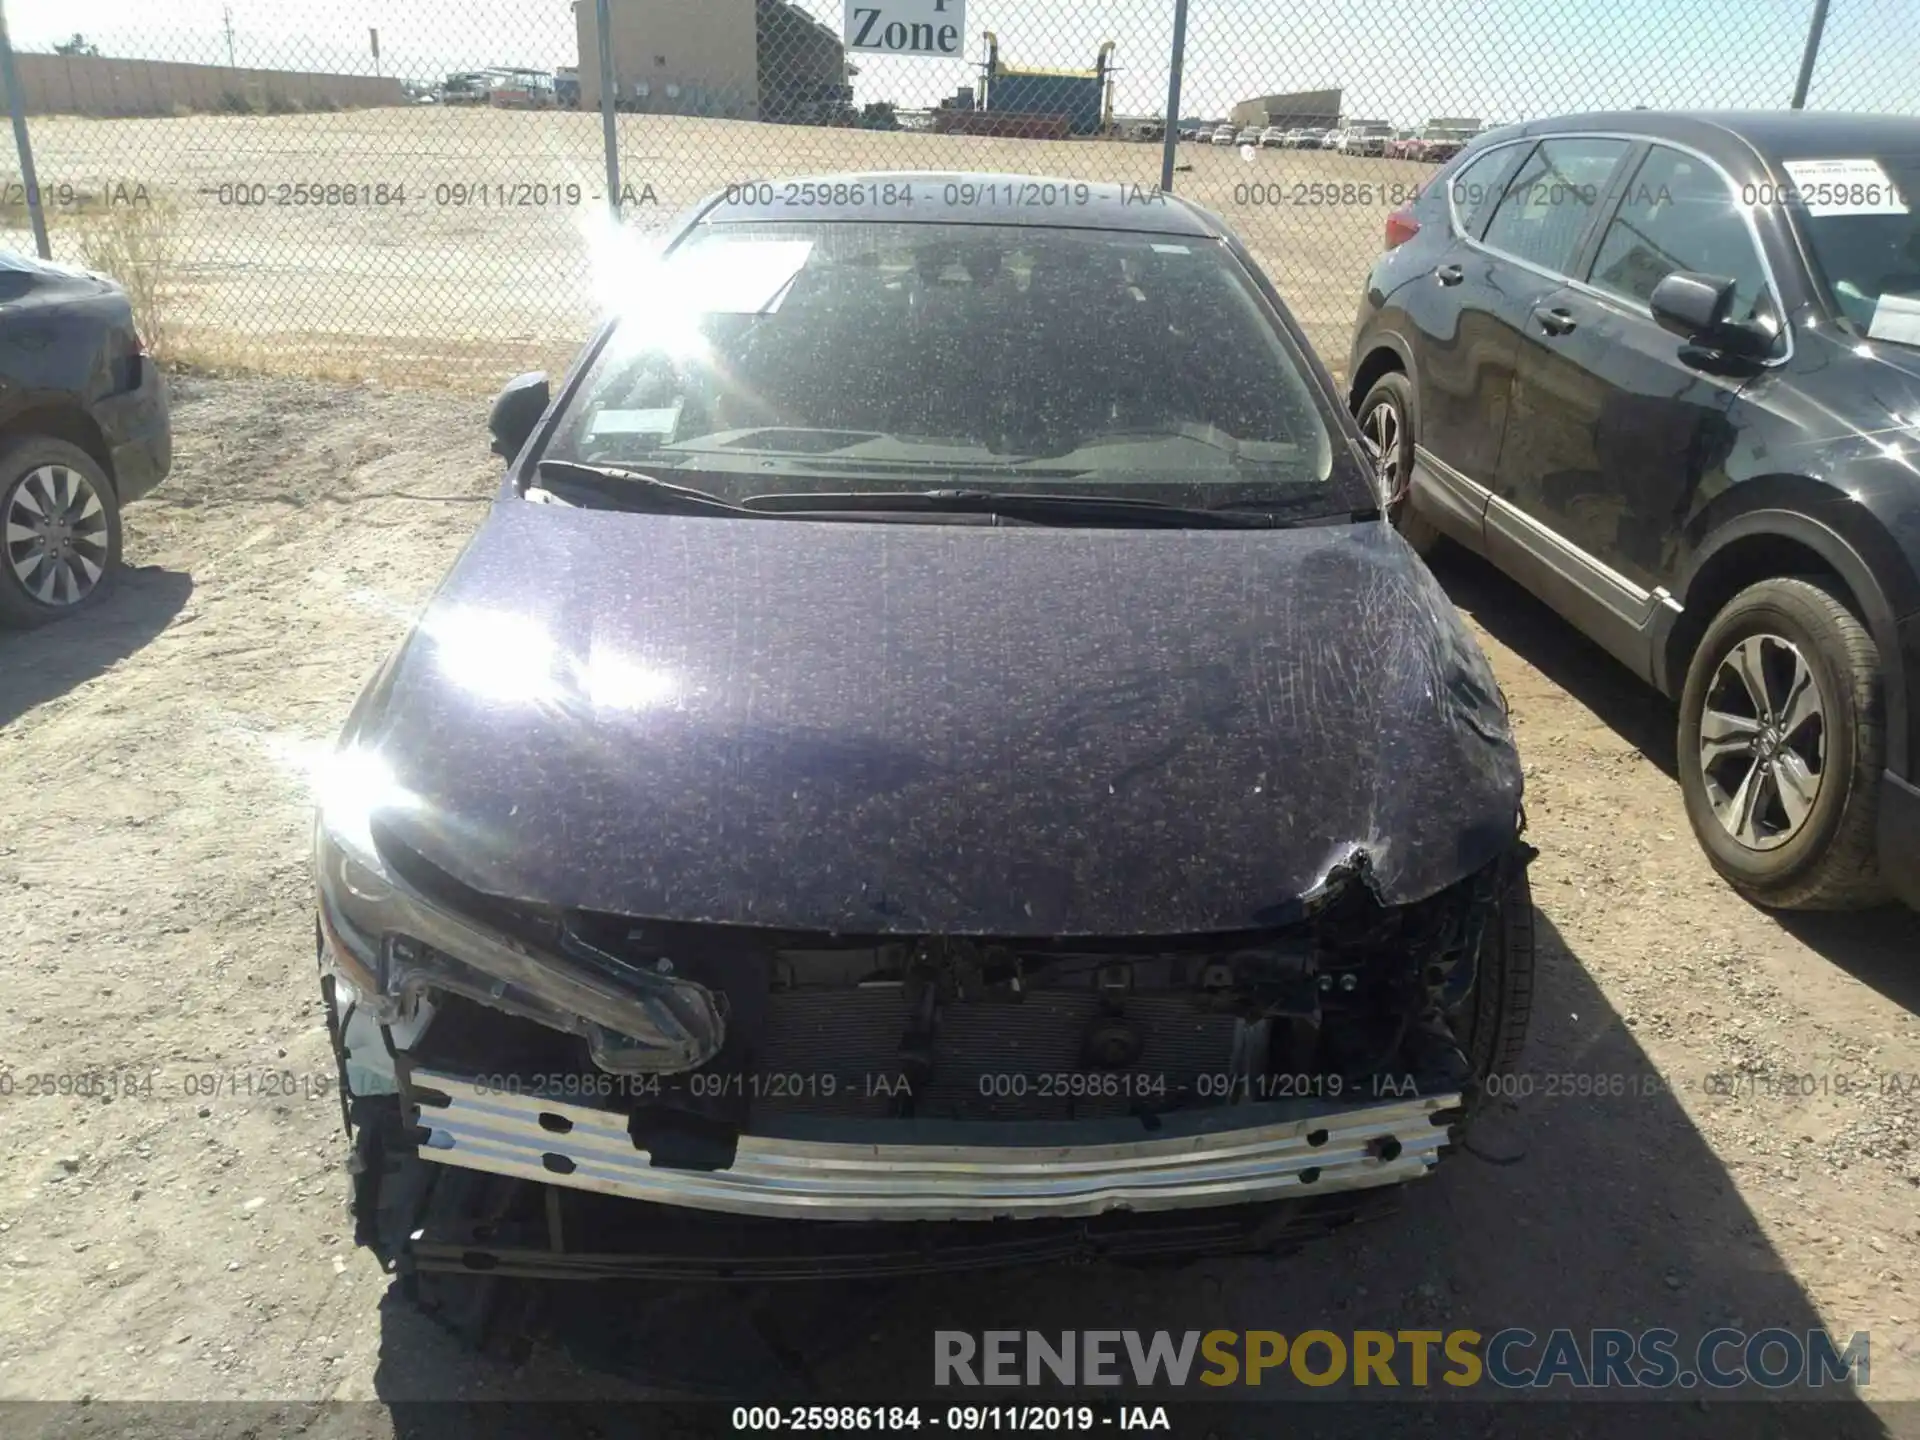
799	356
1863	231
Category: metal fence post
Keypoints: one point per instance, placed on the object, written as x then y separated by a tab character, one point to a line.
1811	53
609	135
10	77
1171	141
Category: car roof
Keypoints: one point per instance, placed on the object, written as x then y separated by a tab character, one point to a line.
997	199
1733	135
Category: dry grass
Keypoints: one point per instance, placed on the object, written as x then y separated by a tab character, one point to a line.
134	240
350	360
138	245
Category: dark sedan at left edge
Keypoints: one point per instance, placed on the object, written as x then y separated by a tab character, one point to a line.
84	431
933	758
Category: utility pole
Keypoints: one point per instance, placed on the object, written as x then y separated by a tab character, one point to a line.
226	13
1170	142
29	181
1810	54
609	137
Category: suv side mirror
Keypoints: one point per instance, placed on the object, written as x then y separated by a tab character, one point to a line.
1692	306
1696	308
516	410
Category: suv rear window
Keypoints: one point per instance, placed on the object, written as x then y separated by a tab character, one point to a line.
1476	187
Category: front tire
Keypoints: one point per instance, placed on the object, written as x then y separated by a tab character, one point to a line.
59	531
1388	417
1781	744
1502	998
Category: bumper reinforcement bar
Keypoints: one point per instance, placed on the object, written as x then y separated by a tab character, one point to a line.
1189	1162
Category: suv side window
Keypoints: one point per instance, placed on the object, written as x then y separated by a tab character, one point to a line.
1477	186
1546	209
1678	213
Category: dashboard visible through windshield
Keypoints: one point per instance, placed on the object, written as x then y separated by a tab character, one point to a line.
1862	222
847	356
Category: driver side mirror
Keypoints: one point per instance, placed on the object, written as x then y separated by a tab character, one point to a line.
1696	307
516	410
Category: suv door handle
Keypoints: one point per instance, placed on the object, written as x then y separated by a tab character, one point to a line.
1450	274
1557	321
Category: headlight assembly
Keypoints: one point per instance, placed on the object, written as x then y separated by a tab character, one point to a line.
393	943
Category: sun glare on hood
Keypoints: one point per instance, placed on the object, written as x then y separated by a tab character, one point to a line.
510	658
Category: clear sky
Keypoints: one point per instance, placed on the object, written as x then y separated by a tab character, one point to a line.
1398	59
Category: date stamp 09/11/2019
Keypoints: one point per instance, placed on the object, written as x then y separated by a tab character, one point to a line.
281	1084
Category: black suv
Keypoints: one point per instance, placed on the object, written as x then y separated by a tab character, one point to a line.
1664	369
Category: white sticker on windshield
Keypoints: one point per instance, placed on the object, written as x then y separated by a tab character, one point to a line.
1844	187
1171	250
636	422
1896	318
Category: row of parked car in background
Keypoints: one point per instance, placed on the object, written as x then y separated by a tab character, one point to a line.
1435	144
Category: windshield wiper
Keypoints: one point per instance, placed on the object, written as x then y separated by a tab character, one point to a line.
1040	507
611	486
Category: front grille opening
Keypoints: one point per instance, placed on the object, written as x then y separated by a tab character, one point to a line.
968	1029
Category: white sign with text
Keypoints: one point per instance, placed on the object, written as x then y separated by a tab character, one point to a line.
907	27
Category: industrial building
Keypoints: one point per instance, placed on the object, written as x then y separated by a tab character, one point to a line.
1032	103
739	59
1298	110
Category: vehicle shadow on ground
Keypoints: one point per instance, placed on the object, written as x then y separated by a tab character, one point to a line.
1627	705
41	665
1876	948
1571	1211
1880	948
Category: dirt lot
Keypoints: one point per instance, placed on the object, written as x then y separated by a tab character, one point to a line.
490	243
192	1242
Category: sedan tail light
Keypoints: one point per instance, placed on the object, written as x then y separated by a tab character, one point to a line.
1401	227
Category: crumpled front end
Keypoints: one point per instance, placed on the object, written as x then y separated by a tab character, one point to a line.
924	1078
800	871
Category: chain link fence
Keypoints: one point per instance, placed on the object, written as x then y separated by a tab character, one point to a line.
424	191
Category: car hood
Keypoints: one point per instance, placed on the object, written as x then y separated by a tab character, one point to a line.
1851	400
50	275
960	729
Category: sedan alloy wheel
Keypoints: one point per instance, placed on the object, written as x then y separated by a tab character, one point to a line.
56	537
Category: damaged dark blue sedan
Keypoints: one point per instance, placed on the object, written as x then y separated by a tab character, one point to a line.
933	758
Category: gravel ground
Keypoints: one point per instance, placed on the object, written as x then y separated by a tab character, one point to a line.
190	1241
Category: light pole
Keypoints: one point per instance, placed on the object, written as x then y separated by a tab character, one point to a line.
1810	54
9	76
